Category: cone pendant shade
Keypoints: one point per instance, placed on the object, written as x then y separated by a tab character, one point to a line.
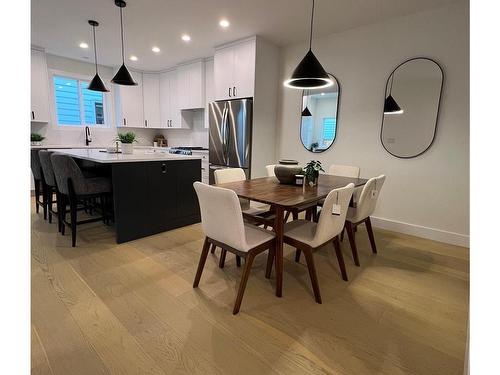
123	77
306	112
391	107
309	74
97	84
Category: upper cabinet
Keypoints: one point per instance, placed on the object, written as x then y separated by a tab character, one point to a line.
209	88
151	99
130	108
234	70
191	85
39	87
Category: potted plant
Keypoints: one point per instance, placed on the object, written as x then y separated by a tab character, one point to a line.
311	172
36	139
127	140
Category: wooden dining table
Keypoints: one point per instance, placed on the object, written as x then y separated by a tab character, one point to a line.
290	198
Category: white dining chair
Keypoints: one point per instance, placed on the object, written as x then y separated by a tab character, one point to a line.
270	170
223	226
308	236
344	170
362	212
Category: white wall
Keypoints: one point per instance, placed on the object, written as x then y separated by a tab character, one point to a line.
57	135
427	195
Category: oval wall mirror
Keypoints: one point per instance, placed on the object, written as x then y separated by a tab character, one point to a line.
318	124
411	107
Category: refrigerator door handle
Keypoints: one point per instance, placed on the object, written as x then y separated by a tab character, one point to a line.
225	137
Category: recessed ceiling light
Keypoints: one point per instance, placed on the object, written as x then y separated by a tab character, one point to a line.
84	45
186	38
155	49
133	58
224	23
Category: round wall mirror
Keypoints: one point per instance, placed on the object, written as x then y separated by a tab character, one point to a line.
411	107
318	126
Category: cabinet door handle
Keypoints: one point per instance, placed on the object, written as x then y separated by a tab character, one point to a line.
234	91
32	115
146	123
230	92
124	121
163	168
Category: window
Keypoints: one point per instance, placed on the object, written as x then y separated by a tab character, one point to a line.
76	105
329	129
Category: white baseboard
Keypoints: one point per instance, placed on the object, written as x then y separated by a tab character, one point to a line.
421	231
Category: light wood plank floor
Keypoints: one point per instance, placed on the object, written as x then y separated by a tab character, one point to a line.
103	308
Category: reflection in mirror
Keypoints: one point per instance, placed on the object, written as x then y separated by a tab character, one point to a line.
411	107
318	127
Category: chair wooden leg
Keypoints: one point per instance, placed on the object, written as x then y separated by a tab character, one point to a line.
45	197
243	282
312	274
63	213
72	208
50	202
342	234
222	259
350	234
201	263
297	255
287	216
238	261
369	229
212	249
270	261
340	258
37	195
295	215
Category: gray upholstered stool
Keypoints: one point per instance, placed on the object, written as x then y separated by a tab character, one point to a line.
74	186
49	184
36	168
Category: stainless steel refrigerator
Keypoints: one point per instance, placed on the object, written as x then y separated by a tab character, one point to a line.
230	135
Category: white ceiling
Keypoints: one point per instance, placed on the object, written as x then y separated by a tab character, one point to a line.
60	25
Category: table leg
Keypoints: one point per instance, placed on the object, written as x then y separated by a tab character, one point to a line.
278	229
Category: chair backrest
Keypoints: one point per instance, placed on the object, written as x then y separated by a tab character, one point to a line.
344	170
221	217
368	201
270	170
66	168
329	224
225	175
48	170
35	165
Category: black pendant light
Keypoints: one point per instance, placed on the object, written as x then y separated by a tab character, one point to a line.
309	74
123	76
391	107
306	112
96	84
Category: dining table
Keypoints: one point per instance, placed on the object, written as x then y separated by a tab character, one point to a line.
288	198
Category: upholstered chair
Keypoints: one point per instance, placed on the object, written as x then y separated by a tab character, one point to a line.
344	170
362	212
36	169
308	236
223	226
49	183
73	187
270	170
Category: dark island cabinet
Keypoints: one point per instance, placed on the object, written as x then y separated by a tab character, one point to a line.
154	196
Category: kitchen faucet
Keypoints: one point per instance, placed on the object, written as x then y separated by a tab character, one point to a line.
88	138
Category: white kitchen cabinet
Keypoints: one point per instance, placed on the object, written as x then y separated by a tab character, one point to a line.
191	86
171	115
151	99
130	108
39	87
209	88
204	165
234	70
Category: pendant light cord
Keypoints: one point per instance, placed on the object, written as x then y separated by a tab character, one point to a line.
95	50
121	27
312	23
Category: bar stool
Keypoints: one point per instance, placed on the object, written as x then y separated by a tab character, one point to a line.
36	168
73	186
49	185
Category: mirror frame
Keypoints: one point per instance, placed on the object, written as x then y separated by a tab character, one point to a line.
437	113
336	116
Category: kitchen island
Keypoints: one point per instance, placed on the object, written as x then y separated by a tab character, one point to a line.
152	191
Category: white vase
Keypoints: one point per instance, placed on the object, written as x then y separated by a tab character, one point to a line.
127	148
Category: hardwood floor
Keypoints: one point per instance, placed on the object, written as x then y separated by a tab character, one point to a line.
103	308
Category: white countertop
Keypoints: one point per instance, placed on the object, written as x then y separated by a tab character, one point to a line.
139	155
